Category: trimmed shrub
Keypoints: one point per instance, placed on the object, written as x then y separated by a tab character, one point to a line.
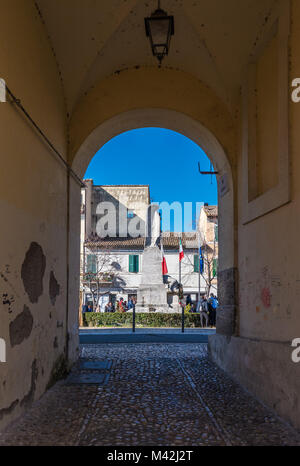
143	319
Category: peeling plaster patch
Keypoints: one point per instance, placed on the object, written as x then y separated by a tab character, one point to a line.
3	277
6	411
33	269
8	301
21	327
28	399
6	280
54	288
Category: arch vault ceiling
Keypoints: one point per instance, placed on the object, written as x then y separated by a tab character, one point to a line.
93	39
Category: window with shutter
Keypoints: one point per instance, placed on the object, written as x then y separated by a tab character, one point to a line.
133	263
130	263
216	233
136	264
91	263
215	267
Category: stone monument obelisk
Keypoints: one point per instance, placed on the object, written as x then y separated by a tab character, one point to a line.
152	293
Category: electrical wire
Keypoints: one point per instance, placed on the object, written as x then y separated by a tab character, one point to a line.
17	102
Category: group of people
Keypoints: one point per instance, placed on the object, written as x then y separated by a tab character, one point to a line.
206	307
120	306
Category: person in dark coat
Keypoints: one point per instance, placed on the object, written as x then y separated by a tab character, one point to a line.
213	303
204	317
109	307
188	300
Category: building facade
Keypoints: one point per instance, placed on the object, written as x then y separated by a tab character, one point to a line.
125	264
112	257
209	240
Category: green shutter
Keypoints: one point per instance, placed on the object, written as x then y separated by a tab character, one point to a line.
215	267
216	233
133	263
136	264
91	263
196	263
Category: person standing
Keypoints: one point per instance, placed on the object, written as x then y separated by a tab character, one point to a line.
130	303
210	313
213	302
188	300
84	308
109	307
204	312
121	305
90	308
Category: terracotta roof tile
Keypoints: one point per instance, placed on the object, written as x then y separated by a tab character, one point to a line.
211	210
170	241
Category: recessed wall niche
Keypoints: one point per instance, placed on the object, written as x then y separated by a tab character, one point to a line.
265	152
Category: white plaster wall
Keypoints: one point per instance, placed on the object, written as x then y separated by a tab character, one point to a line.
33	203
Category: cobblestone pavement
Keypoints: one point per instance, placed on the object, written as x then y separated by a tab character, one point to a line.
157	394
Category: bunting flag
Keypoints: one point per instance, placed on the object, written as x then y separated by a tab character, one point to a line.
181	253
163	260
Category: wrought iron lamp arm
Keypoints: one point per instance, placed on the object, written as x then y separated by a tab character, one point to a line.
206	172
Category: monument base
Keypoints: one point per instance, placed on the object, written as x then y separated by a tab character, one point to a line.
152	293
163	308
152	298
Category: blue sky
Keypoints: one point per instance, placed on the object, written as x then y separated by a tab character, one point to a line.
164	159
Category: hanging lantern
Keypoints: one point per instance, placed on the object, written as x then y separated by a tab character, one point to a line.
159	28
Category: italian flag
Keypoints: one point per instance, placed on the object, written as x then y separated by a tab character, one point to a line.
181	253
163	260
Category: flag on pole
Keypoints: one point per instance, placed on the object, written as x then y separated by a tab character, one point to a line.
201	261
181	253
163	259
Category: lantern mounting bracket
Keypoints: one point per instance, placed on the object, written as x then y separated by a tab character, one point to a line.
206	172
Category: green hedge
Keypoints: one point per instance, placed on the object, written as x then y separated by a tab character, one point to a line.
150	319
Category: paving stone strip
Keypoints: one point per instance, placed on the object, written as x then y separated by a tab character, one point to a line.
219	429
157	394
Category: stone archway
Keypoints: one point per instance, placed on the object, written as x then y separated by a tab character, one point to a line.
194	130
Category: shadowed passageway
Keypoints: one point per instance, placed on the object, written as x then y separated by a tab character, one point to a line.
156	394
